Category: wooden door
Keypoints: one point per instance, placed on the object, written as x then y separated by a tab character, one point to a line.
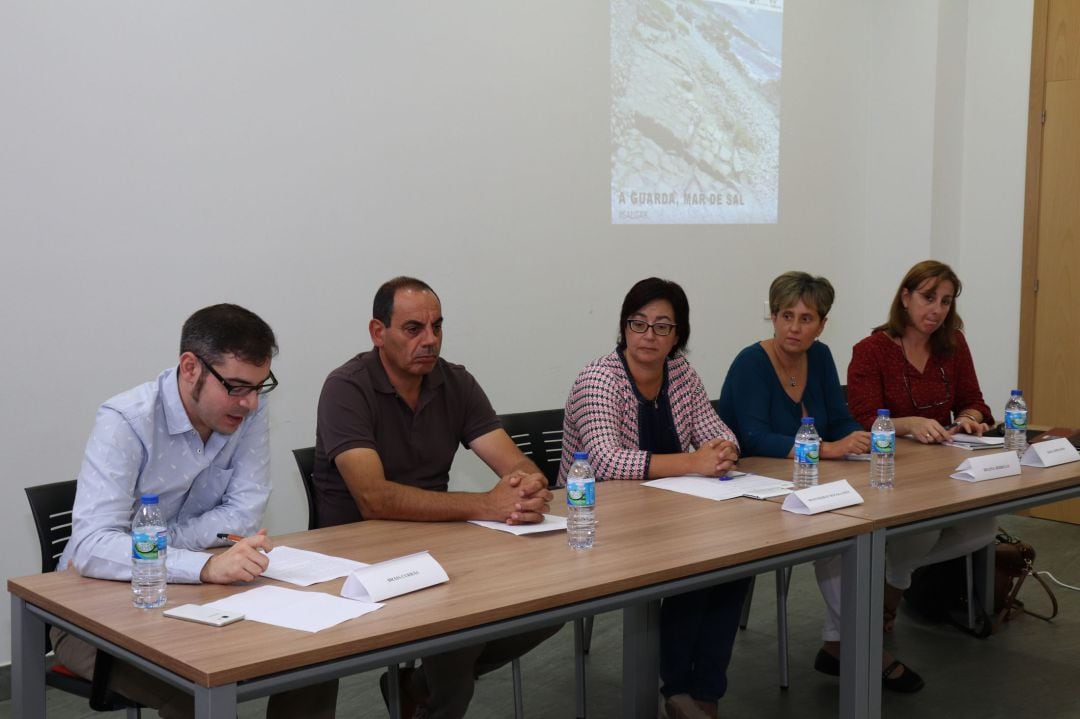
1051	317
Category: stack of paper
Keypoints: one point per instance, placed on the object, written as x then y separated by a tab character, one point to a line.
971	441
738	484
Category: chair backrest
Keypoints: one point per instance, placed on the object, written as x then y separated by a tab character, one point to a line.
540	436
51	506
305	462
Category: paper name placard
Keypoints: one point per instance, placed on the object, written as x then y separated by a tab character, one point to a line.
1050	453
988	466
394	577
822	498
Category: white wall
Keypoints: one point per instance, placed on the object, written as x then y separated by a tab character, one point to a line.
158	158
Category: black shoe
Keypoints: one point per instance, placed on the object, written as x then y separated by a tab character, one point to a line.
907	683
826	663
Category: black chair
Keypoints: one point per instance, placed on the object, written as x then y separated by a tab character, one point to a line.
539	436
305	462
51	505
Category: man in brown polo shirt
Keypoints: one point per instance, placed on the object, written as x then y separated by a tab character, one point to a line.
389	423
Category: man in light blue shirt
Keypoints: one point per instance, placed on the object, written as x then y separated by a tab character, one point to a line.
197	437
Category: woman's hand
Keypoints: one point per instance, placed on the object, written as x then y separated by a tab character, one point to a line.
854	443
715	457
927	431
968	425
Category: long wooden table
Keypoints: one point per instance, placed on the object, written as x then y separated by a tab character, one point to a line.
651	543
924	498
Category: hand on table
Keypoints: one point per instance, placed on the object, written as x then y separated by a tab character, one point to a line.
928	431
520	498
854	443
241	562
967	425
715	457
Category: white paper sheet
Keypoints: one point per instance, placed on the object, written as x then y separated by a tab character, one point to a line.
293	609
740	485
551	523
304	568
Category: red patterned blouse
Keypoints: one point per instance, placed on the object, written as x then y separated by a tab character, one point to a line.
880	377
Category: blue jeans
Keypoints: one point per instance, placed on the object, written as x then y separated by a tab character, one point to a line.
697	632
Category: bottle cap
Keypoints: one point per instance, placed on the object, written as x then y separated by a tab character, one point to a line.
581	455
883	413
148	499
1018	392
807	420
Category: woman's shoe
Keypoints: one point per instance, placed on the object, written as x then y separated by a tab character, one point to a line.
826	663
908	682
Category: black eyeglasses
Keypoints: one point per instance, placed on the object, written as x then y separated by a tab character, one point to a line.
660	329
944	380
242	390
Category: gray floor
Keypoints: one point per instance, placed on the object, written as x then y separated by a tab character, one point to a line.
1028	669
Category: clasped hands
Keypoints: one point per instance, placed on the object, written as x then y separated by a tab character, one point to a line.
520	498
715	457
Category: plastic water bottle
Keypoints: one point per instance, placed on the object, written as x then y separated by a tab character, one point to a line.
882	451
1016	421
581	503
149	545
807	452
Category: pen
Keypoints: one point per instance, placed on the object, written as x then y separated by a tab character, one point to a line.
229	537
725	478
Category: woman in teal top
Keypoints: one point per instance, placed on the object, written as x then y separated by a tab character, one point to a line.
774	383
769	388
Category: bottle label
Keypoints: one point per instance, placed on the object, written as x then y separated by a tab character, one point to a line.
1016	419
806	452
580	493
882	442
148	546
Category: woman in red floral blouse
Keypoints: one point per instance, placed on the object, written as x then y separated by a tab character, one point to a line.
918	366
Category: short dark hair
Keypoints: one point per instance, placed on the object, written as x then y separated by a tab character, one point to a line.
649	290
382	308
790	287
223	329
943	341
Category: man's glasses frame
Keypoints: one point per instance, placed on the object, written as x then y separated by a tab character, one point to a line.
242	390
660	329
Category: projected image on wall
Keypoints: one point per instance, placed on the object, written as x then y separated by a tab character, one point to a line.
695	111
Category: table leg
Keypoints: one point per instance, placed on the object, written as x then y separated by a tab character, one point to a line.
579	668
855	636
27	662
984	576
877	606
216	702
641	657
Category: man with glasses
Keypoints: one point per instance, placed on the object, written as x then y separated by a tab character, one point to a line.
198	438
389	423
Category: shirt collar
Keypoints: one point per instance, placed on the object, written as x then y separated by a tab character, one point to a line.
176	417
